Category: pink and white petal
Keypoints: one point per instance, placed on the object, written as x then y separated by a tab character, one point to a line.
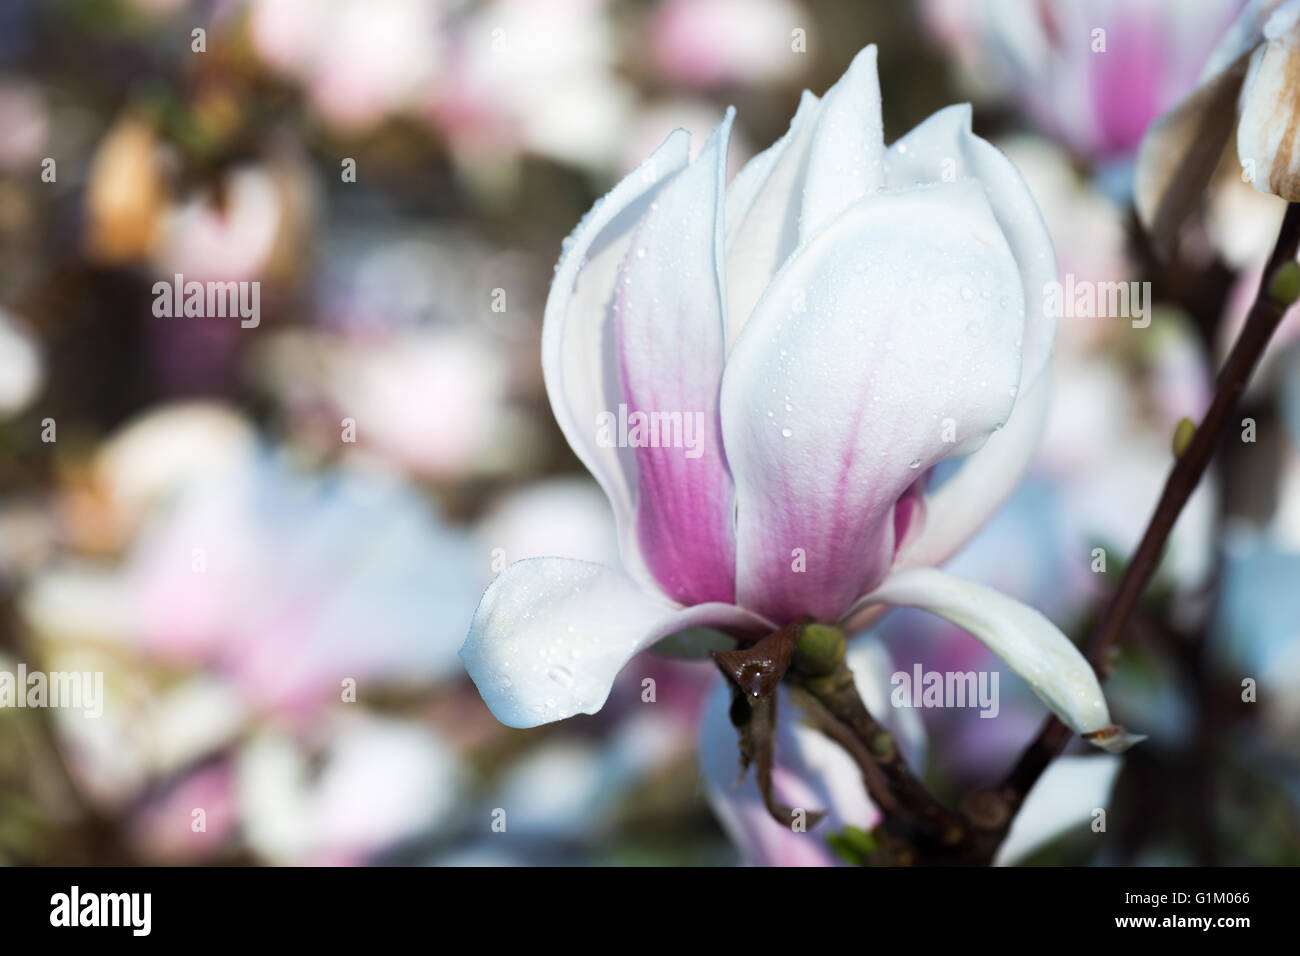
670	314
1029	643
579	359
942	148
846	160
958	508
763	204
1066	796
888	335
1268	135
551	634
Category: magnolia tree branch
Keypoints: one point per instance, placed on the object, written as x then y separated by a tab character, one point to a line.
1279	289
809	658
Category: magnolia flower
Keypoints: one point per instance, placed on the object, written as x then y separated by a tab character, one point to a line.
1247	86
1093	73
830	327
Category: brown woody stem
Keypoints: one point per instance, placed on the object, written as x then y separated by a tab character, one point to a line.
1265	316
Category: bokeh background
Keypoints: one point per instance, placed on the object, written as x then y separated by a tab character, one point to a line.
183	508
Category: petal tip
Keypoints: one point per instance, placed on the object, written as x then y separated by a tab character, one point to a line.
1113	739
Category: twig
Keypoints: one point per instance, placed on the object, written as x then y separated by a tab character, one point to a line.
1263	320
838	694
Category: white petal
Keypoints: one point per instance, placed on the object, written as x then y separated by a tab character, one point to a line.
1268	136
762	221
846	161
886	344
1029	643
1066	796
959	507
669	309
551	634
578	357
944	148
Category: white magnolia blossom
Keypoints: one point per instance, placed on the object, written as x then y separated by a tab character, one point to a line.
1248	87
380	781
839	320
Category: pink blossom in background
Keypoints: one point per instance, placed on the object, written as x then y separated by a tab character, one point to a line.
26	123
708	43
166	827
532	76
230	237
1041	54
359	60
289	583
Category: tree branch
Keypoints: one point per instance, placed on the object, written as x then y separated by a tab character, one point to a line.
1265	315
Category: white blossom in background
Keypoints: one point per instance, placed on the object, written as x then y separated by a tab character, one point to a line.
358	60
21	365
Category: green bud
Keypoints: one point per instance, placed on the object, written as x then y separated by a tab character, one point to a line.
819	650
860	840
1184	432
882	746
1284	283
